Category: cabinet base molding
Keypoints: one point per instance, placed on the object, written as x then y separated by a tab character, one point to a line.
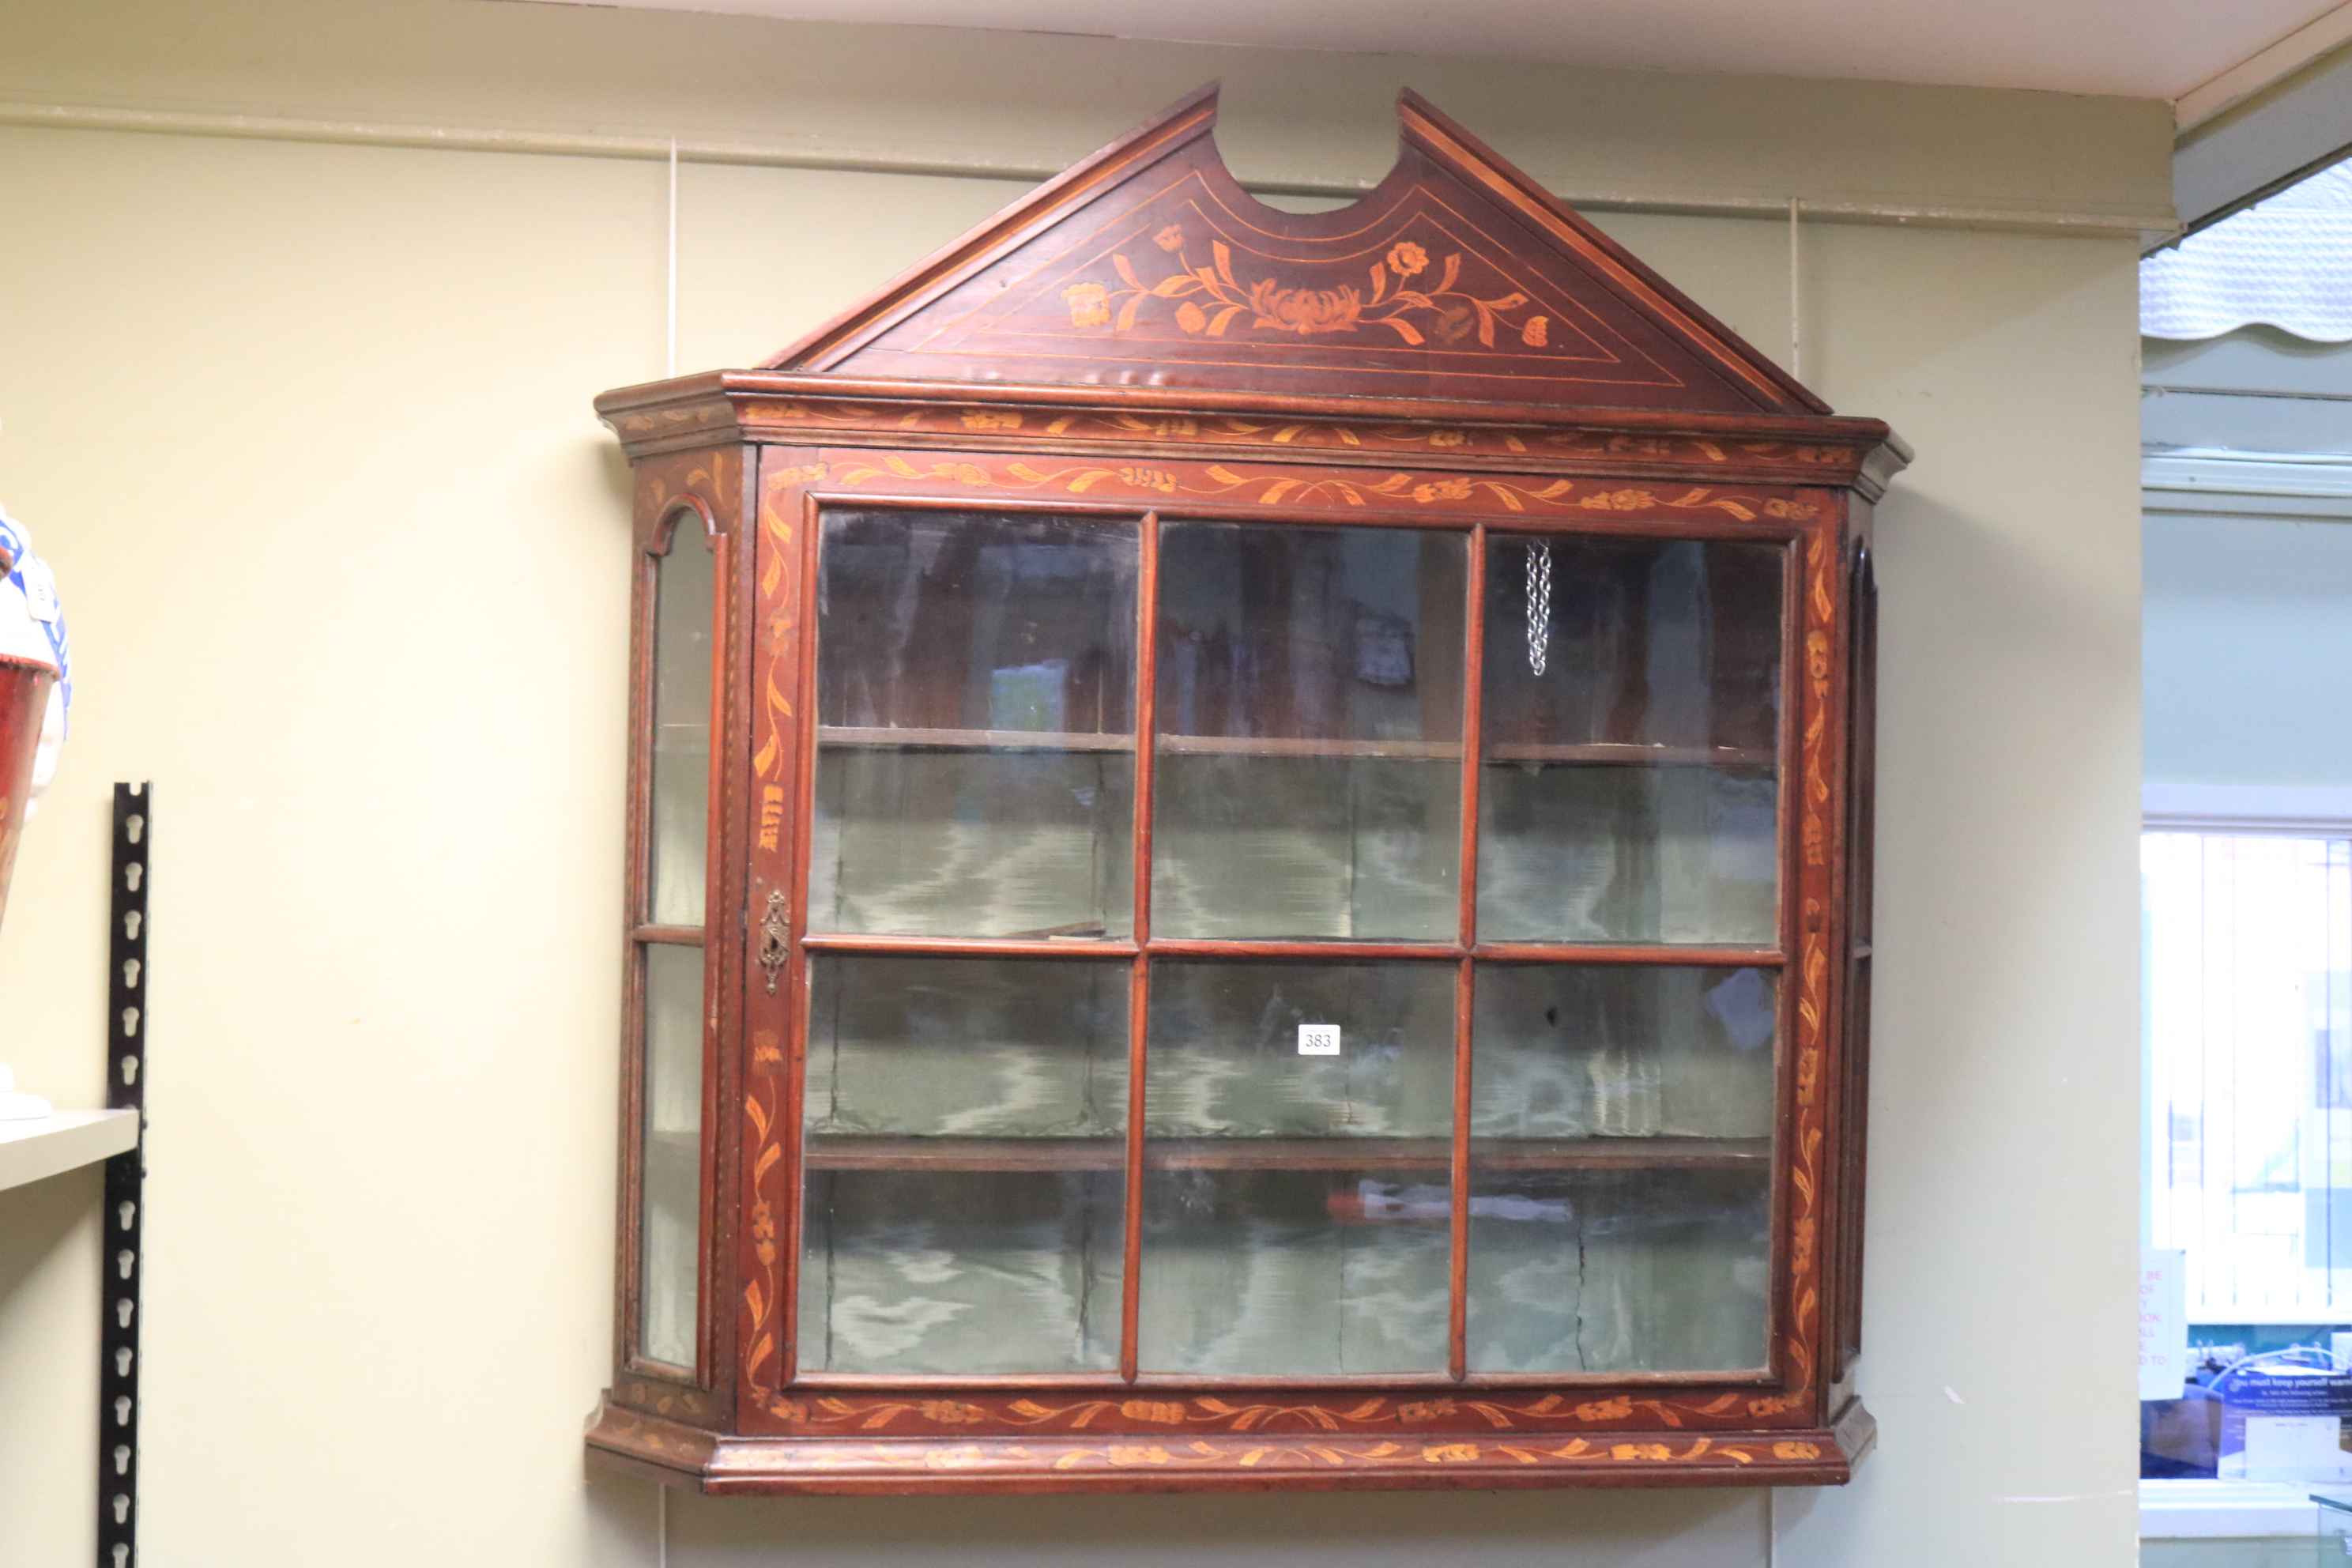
723	1466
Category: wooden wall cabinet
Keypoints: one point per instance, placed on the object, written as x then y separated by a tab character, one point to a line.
1248	865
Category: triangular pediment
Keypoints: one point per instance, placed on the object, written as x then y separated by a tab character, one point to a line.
1457	279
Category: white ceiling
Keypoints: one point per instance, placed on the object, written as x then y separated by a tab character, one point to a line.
2139	48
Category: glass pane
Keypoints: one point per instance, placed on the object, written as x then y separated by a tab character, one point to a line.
1310	711
1617	1271
1619	1167
1632	710
966	1144
683	601
1299	1119
670	1261
975	707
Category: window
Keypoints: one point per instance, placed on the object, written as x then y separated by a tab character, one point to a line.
2249	1023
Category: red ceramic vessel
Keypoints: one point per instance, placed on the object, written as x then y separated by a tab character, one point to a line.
24	700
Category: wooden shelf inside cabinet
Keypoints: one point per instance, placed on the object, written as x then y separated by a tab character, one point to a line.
32	1151
1426	1154
1428	582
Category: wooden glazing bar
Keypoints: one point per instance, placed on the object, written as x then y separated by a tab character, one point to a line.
1474	678
1695	1386
937	739
1260	1383
1294	746
796	960
1250	947
1619	754
1788	846
836	1152
1457	1164
1656	954
673	936
970	946
1138	995
934	1385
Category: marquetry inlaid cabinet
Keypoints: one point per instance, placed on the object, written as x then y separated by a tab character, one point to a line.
1248	864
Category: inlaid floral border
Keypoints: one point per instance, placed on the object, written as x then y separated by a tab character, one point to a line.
1432	1413
982	1457
1812	963
1406	489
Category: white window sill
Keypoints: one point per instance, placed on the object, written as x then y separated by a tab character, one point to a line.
2203	1511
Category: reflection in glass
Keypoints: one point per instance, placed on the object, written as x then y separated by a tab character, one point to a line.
670	1261
1294	1205
933	1047
1310	711
1632	710
1612	1270
1655	1269
1581	1051
683	608
966	1156
1224	1058
1633	854
975	688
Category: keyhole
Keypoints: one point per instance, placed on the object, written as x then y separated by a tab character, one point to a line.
135	826
122	1556
131	1022
122	1410
130	974
125	1212
123	1260
122	1314
121	1507
130	926
123	1363
132	874
129	1071
122	1458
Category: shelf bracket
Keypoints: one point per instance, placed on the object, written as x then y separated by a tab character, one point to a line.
124	1220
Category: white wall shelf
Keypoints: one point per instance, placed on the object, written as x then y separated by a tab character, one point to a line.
30	1150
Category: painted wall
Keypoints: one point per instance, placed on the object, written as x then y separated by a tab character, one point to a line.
2249	626
305	429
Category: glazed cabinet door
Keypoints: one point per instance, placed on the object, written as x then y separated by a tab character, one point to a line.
1263	950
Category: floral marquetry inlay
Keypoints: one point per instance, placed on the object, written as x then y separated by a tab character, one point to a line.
1143	1412
1402	489
1209	299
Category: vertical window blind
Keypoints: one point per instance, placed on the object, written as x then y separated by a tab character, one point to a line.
2247	938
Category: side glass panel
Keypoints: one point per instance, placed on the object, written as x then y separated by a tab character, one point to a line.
670	1255
1630	717
676	848
1310	711
965	1165
677	832
1299	1121
1620	1168
975	770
